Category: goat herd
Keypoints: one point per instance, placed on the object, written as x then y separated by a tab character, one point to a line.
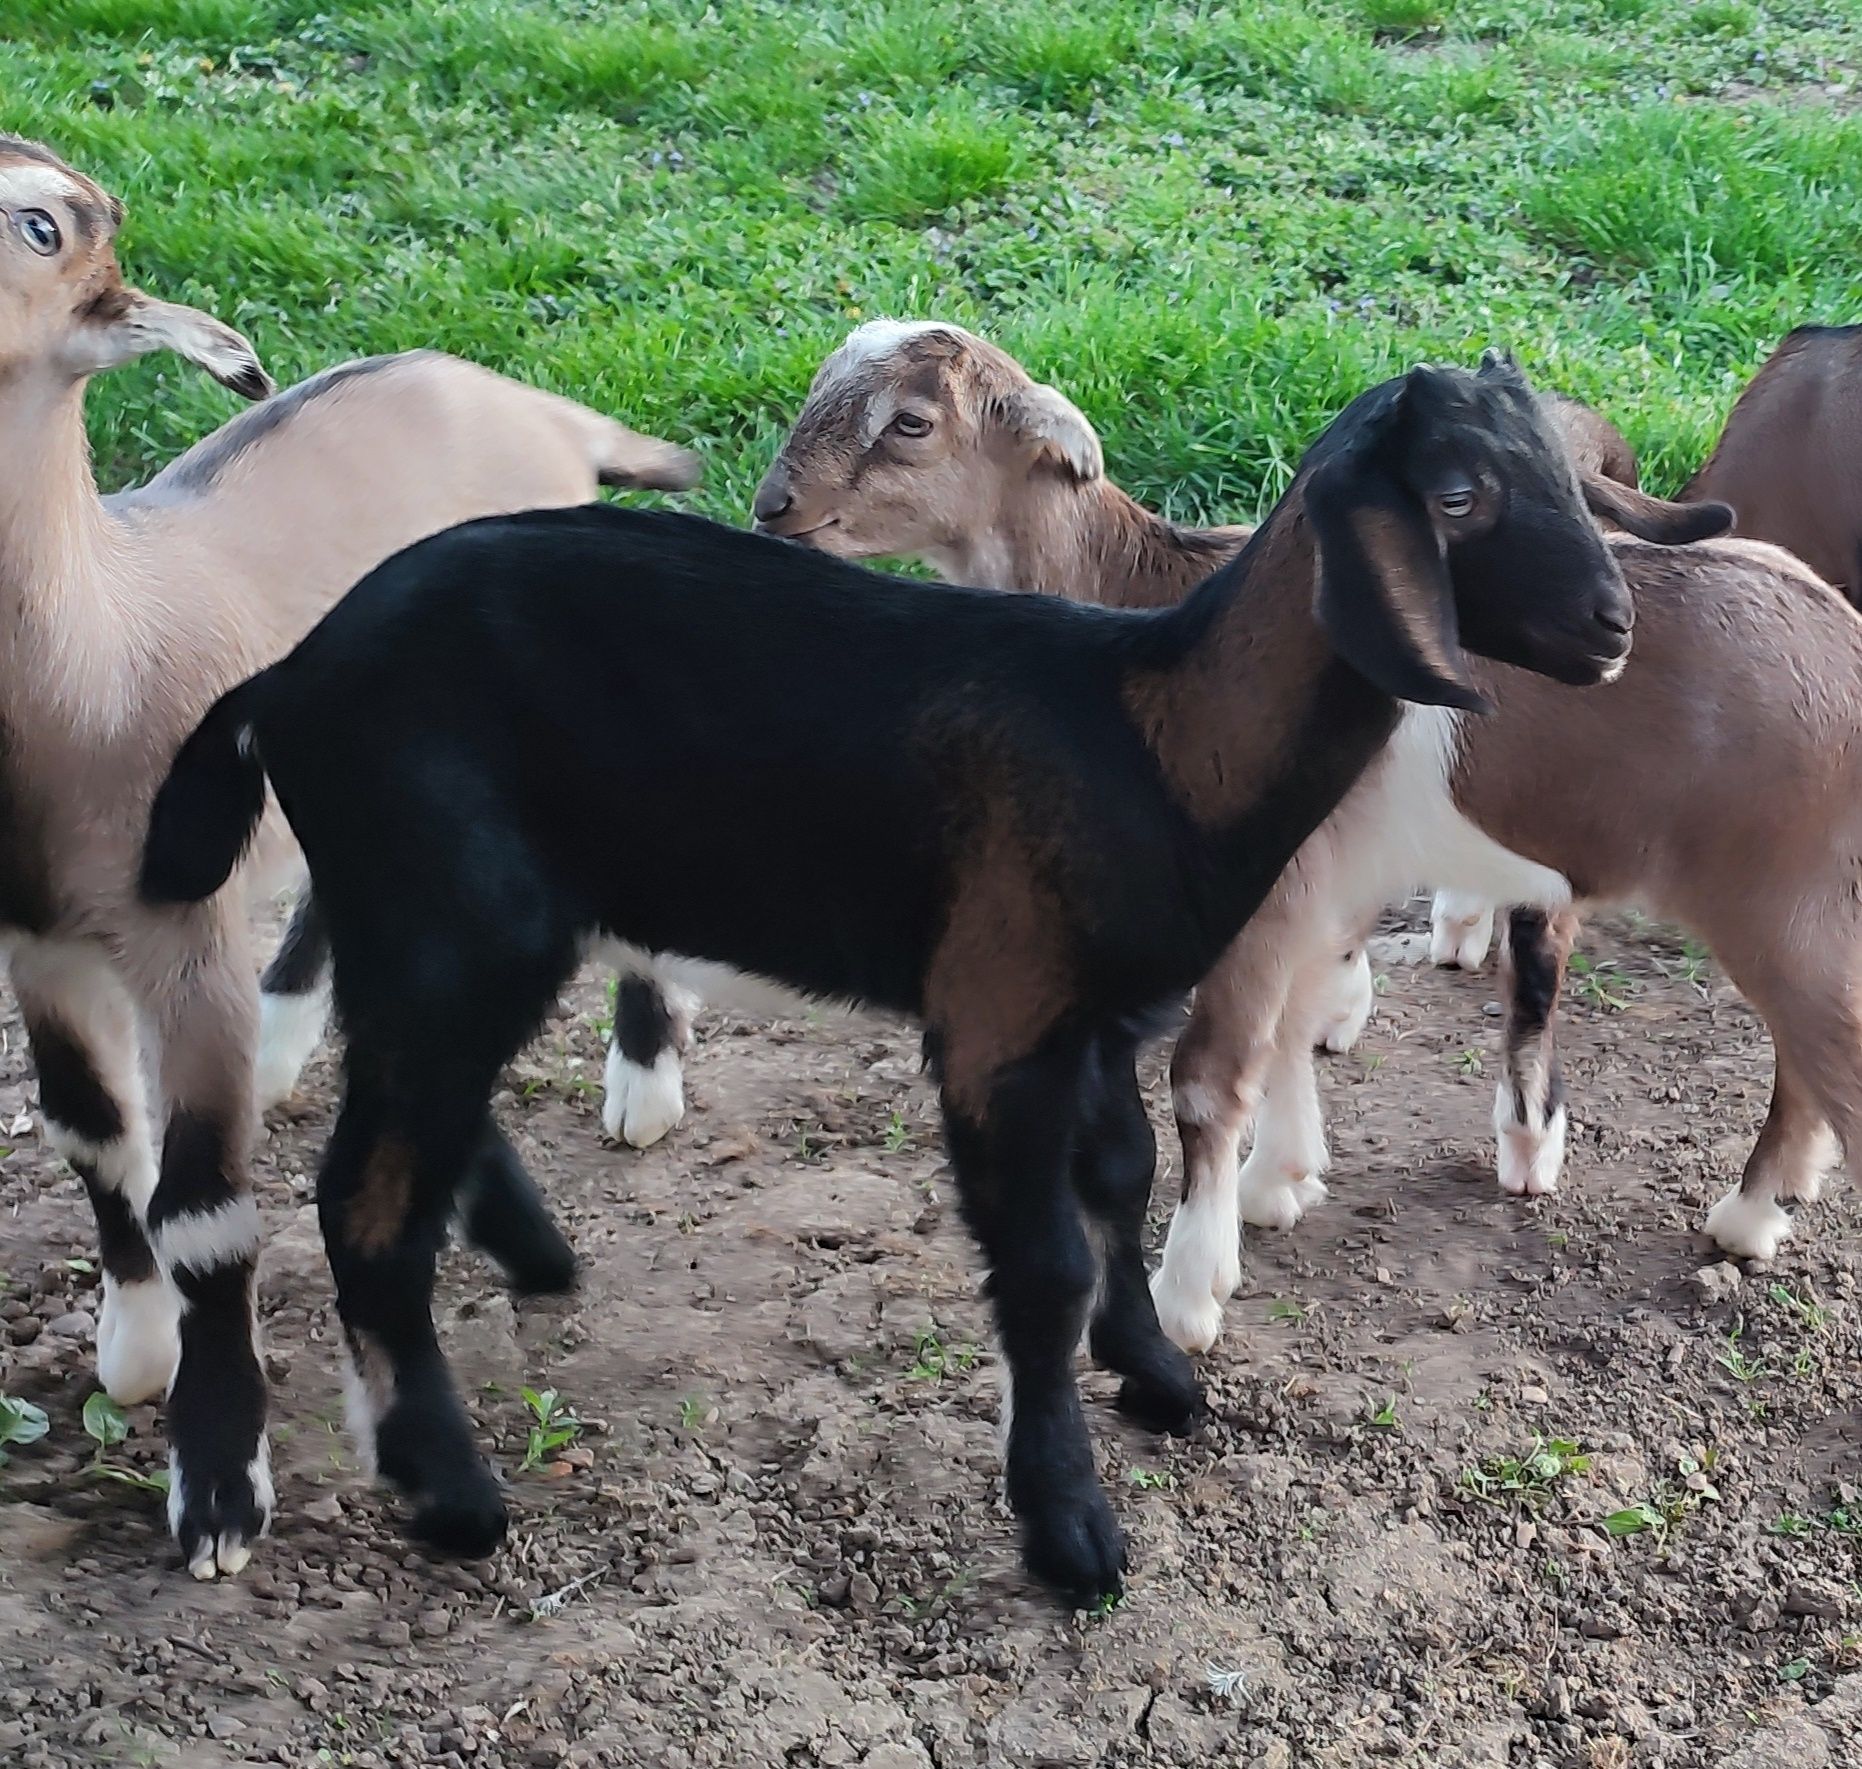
1033	825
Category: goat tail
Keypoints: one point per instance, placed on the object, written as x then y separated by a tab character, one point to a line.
208	809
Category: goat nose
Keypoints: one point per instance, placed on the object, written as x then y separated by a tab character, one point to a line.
1616	620
772	500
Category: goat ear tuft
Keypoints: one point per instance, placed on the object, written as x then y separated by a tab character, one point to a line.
1056	428
1497	363
133	324
1383	594
1654	519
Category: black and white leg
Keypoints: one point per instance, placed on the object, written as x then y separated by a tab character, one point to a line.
85	1037
294	1003
203	1223
1013	1165
644	1088
1113	1168
1529	1117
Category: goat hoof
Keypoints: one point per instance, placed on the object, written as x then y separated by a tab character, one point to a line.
543	1265
1167	1400
468	1521
1528	1161
642	1104
1072	1543
217	1515
1281	1200
1749	1225
1190	1315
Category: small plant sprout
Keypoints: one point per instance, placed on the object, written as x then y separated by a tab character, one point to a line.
1284	1308
21	1423
1672	1503
1385	1416
933	1360
1601	982
1733	1360
1813	1315
1151	1480
106	1427
552	1427
696	1412
898	1133
1526	1480
1468	1062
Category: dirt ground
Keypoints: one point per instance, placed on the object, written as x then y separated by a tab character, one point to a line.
780	1538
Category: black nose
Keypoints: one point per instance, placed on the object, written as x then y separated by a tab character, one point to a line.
772	501
1616	620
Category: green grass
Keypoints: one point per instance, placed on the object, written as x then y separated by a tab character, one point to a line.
1211	224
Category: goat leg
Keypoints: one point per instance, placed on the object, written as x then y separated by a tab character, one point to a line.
1529	1117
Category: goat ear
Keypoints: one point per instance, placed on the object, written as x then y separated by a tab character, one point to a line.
1654	519
127	324
1384	596
1056	428
629	458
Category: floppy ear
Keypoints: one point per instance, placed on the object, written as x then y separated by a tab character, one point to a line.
1384	597
1055	428
126	323
1654	519
631	459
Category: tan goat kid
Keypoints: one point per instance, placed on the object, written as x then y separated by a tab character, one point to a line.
125	617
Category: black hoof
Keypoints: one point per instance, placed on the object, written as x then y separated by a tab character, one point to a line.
543	1266
1075	1546
1165	1400
469	1522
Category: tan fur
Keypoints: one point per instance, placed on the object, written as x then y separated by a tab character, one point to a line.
983	498
1786	460
378	1211
125	617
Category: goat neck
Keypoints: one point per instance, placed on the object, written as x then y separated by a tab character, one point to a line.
1087	541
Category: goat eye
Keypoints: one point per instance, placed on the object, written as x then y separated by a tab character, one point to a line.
38	230
910	424
1455	503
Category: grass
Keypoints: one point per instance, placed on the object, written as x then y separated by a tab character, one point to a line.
1210	224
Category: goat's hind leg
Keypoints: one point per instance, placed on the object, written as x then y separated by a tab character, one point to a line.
294	1003
644	1084
85	1039
1529	1116
503	1215
1112	1171
1013	1165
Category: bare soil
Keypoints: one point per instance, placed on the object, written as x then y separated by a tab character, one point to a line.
780	1539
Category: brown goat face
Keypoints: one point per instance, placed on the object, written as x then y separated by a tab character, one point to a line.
911	436
1450	519
65	310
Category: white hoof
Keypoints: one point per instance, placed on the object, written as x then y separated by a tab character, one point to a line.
290	1029
1352	997
1461	930
642	1105
1278	1198
1191	1317
1529	1161
138	1339
1748	1224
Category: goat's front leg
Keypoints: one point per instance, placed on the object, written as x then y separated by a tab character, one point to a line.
1280	1180
203	1222
1112	1171
644	1086
85	1036
1529	1101
1012	1164
294	1003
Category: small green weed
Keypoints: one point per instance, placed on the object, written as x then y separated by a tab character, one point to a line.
1151	1480
106	1427
933	1360
1385	1416
21	1423
1600	982
1468	1062
551	1427
1527	1480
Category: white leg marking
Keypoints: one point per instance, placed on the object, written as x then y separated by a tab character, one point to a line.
1805	1186
1201	1267
642	1104
203	1239
367	1395
1461	930
138	1338
1347	1005
1279	1181
1749	1224
125	1163
1531	1153
290	1029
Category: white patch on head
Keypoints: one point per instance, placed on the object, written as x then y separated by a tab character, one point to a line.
642	1104
201	1240
875	339
138	1338
290	1029
1749	1224
25	184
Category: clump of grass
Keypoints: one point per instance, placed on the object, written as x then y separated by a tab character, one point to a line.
1526	1481
915	170
1403	18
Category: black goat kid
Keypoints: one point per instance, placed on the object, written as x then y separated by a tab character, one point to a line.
1046	821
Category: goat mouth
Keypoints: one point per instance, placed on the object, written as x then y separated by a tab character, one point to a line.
798	534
